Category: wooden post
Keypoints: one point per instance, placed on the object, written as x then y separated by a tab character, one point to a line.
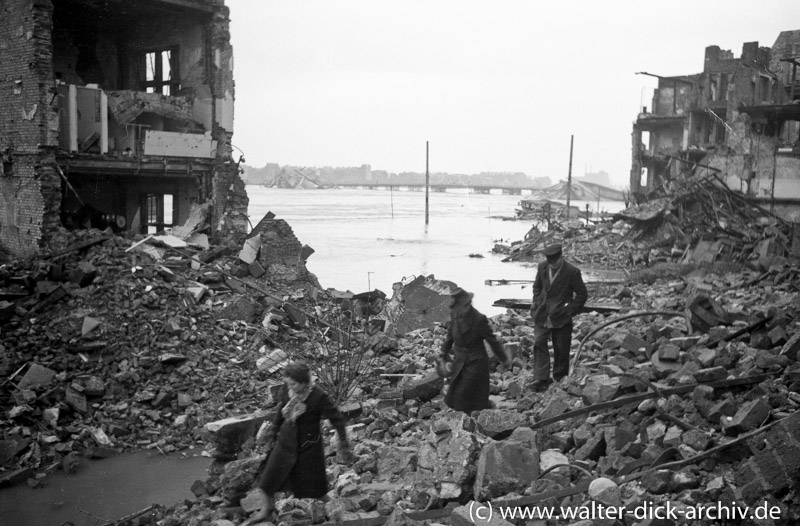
427	182
569	174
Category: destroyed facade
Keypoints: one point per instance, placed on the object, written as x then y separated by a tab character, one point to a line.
738	120
115	114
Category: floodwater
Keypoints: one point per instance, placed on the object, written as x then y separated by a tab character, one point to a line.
103	490
367	239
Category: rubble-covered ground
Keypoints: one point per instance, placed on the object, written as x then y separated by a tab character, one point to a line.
687	397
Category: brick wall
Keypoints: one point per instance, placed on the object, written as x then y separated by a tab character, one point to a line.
30	186
774	469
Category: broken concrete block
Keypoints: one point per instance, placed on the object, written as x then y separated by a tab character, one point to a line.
394	460
89	324
663	368
498	423
84	274
749	416
94	386
617	438
256	270
697	440
672	437
37	375
76	399
229	434
239	308
593	449
555	407
100	437
504	467
424	388
600	388
791	347
635	344
657	482
197	292
551	457
669	352
705	356
716	411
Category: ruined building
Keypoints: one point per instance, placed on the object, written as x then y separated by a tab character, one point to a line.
739	119
115	113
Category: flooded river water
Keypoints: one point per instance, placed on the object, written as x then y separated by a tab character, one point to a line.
367	239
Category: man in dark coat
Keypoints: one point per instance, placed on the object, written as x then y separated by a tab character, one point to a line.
469	380
558	295
296	462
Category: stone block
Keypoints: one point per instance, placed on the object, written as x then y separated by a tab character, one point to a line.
749	416
551	457
722	408
772	471
669	352
635	344
394	460
504	467
229	434
593	449
617	438
705	356
499	423
76	400
600	388
657	482
84	274
256	270
424	388
696	440
556	406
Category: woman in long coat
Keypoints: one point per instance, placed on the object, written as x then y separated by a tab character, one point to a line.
469	380
296	461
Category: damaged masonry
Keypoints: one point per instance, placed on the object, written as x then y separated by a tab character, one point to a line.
686	396
115	115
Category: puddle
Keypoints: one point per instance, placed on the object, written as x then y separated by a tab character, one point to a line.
103	490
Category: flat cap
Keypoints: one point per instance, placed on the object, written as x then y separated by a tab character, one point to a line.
552	250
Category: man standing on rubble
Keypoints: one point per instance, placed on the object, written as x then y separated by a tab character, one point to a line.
558	294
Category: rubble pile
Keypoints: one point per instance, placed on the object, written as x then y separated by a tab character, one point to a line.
662	410
696	220
105	348
688	395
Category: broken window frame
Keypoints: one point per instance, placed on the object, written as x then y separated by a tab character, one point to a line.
154	212
158	83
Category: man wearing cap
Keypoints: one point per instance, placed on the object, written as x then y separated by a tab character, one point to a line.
469	379
558	294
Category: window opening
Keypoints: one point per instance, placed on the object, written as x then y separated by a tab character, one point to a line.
161	71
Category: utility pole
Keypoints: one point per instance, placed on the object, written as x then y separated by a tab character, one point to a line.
569	174
427	182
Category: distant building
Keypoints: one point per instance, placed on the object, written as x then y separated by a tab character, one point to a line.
117	113
739	116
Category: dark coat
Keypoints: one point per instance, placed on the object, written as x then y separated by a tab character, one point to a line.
469	381
296	462
560	300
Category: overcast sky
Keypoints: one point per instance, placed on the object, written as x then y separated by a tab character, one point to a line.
492	85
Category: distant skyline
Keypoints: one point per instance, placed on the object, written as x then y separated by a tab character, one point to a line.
493	86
